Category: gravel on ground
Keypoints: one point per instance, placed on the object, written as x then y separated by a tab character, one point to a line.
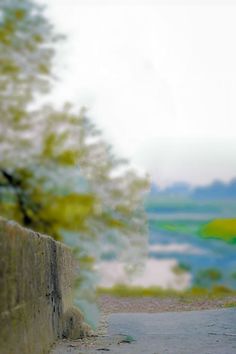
111	304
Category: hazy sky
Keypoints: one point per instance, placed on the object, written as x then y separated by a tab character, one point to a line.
159	78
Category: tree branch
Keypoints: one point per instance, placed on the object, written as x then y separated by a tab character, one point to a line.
16	184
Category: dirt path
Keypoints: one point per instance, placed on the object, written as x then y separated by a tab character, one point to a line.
111	304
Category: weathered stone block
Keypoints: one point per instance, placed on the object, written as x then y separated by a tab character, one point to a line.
36	287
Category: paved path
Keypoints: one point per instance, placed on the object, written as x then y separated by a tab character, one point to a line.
193	332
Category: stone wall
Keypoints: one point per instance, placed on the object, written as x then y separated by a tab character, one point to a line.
36	281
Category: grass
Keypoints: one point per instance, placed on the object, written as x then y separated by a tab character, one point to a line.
230	304
120	290
223	229
186	227
127	291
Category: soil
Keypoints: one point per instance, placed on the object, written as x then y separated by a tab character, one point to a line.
111	304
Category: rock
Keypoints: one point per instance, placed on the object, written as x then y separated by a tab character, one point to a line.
74	326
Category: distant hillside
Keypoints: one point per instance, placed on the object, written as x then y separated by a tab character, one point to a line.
175	189
216	190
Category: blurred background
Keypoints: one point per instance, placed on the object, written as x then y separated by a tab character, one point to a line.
159	78
156	80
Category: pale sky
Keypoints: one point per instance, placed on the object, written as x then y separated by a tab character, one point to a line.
158	77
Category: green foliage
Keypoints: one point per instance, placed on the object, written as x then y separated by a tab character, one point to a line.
207	277
181	268
233	275
26	57
57	174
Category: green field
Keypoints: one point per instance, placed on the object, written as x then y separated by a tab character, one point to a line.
208	219
223	229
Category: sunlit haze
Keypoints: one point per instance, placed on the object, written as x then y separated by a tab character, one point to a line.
158	77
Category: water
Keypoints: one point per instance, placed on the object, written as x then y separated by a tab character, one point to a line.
195	253
178	259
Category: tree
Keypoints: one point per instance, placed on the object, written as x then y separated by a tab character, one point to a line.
26	57
57	174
